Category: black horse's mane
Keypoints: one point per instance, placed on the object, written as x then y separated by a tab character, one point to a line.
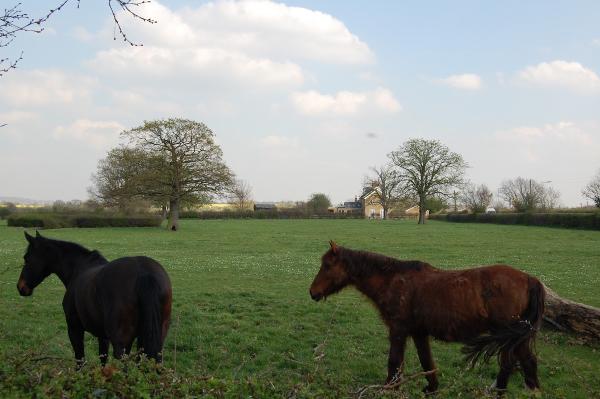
71	249
362	263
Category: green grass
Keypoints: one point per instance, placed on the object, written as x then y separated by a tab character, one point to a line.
242	314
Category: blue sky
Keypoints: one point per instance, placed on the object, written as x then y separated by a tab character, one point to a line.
305	96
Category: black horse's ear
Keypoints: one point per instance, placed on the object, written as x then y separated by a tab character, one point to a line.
37	234
29	238
334	247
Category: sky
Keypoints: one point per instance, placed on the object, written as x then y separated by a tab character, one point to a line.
306	96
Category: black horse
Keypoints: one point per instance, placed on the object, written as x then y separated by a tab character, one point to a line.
116	301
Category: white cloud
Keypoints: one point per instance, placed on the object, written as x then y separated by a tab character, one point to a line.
253	42
279	142
344	102
16	116
561	131
44	87
596	42
562	74
99	134
82	34
201	63
256	27
465	81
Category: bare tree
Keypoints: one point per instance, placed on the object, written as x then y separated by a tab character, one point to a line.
428	168
592	190
14	21
387	186
526	195
241	194
550	198
477	198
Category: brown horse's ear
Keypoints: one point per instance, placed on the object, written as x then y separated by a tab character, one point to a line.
29	238
334	247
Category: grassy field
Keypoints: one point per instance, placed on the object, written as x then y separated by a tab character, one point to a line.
244	324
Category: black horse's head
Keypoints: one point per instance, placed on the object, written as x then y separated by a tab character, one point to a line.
37	265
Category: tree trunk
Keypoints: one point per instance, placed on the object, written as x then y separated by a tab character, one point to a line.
422	210
173	224
571	317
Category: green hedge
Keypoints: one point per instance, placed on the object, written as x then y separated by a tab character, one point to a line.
566	220
264	214
57	221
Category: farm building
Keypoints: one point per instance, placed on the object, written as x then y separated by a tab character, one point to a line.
265	206
348	207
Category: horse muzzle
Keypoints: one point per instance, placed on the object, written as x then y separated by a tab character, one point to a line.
315	296
24	290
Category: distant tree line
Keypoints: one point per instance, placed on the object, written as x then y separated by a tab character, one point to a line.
427	173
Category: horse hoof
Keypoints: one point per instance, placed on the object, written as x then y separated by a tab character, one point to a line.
429	390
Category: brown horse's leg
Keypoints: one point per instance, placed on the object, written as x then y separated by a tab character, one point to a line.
426	359
507	365
103	350
396	356
529	365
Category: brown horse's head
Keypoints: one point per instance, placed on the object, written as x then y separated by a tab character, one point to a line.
332	276
36	267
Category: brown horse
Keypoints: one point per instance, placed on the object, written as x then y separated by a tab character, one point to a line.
493	310
116	301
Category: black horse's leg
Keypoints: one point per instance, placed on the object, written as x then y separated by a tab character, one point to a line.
507	363
426	359
122	347
76	337
396	356
529	365
103	350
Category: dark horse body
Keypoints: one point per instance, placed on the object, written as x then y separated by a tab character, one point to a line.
116	301
494	310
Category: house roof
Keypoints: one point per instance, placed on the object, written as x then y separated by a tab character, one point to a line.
373	191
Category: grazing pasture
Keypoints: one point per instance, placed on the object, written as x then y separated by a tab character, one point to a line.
243	323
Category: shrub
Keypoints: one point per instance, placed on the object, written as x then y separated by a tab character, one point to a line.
57	220
4	212
288	213
117	221
566	220
46	221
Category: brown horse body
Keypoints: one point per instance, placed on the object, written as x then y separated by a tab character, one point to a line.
494	310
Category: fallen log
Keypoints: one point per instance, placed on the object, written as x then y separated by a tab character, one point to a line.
571	317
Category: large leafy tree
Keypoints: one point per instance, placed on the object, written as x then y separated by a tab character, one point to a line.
427	168
318	203
172	161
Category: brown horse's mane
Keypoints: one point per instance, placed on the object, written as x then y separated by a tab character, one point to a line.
365	263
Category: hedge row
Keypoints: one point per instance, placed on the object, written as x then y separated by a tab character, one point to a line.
566	220
57	221
275	214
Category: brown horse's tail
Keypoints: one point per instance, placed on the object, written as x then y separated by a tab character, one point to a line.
150	333
507	339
